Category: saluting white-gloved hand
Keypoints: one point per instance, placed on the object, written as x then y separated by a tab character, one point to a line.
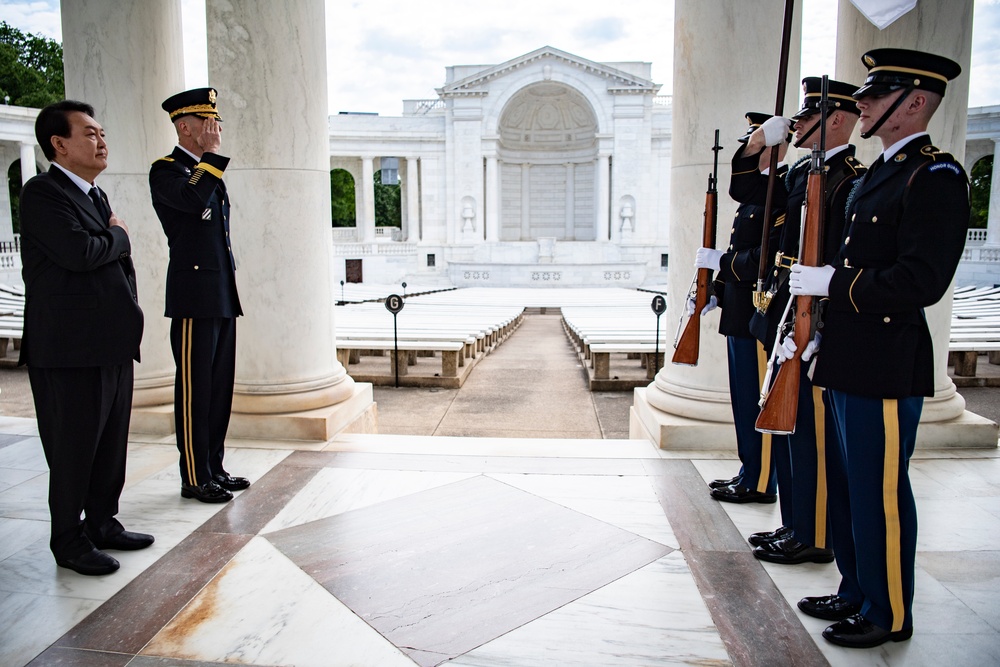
810	280
712	304
775	130
788	347
707	258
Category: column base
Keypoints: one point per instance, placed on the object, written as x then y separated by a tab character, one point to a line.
356	414
673	432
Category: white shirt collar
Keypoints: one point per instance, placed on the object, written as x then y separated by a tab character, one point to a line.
898	146
193	156
79	182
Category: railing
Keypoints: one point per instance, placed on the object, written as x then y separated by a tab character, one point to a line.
422	107
349	234
981	254
976	236
663	100
361	249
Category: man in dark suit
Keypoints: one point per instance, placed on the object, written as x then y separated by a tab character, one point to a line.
82	327
907	222
735	278
191	202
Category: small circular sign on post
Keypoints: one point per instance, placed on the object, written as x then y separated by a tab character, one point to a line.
394	303
659	305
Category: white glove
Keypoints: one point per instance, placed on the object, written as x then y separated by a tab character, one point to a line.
707	258
712	304
787	349
775	130
810	280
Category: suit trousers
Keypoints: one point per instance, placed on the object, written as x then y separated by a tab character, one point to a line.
873	514
83	418
205	353
746	363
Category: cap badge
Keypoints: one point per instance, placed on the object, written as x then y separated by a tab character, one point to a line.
869	61
899	157
211	96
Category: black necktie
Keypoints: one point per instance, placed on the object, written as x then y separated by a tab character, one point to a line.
875	165
102	210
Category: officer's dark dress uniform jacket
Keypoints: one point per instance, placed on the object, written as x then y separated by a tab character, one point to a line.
899	255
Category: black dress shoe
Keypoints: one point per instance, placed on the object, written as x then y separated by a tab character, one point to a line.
829	607
94	563
124	541
737	493
790	551
779	533
856	632
719	483
230	483
209	492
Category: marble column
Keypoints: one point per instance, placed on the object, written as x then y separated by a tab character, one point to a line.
412	200
943	27
28	166
114	63
688	406
268	62
603	220
366	214
993	218
7	157
570	201
492	199
525	202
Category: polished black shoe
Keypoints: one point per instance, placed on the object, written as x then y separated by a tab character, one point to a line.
737	493
124	541
856	632
94	563
829	607
719	483
209	492
779	533
230	483
790	551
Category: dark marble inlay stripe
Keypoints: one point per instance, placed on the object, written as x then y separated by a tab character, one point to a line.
71	657
252	509
130	619
753	618
443	571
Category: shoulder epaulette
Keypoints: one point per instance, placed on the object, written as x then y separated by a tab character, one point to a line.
163	159
936	154
855	165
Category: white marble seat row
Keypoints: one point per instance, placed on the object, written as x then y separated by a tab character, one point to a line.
975	328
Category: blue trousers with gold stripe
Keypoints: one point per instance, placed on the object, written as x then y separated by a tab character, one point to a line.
805	451
746	366
205	354
873	516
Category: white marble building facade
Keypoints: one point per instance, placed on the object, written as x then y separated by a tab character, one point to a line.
547	169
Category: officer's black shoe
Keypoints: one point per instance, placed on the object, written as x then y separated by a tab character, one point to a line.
856	632
124	541
737	493
829	607
779	533
94	563
719	483
209	492
230	483
790	551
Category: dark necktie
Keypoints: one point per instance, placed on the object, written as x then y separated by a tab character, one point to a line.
102	210
875	165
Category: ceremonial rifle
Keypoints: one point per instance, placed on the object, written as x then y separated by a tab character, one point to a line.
760	300
686	344
779	404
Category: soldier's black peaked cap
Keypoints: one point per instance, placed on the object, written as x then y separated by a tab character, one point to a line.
195	102
839	93
893	69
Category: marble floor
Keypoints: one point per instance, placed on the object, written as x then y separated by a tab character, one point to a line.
475	552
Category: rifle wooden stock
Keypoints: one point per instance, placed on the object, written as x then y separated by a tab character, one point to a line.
778	413
687	347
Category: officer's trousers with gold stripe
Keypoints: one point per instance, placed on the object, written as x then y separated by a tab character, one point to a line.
205	354
746	369
873	516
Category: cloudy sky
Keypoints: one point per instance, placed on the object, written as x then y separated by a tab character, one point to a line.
380	53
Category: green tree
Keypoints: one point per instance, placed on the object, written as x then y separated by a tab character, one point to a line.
31	68
979	196
342	198
387	207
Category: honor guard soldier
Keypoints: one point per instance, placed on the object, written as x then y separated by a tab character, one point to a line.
190	200
802	537
736	272
906	228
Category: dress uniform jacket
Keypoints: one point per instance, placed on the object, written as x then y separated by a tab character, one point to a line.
739	265
191	202
907	222
81	308
842	172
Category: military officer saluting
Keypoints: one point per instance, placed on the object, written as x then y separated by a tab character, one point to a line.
191	202
907	223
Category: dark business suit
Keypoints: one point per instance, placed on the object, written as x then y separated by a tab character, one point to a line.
191	202
82	328
906	228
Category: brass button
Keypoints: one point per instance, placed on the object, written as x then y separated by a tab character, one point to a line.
195	267
775	272
874	218
854	216
847	240
751	216
886	319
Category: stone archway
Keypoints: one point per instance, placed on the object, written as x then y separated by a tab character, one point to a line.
548	152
